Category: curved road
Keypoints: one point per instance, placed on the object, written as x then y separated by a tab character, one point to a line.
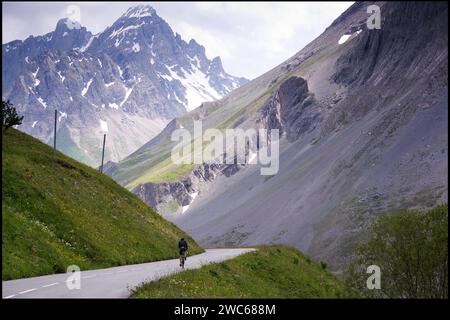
113	282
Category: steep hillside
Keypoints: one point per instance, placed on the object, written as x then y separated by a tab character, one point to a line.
136	76
364	131
57	212
151	162
270	272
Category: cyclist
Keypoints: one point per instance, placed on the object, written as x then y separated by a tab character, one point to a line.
183	246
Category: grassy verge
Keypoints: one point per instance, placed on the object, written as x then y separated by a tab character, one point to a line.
57	212
270	272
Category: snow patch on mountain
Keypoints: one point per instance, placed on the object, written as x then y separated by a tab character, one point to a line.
345	37
42	102
88	44
193	196
85	89
61	77
139	12
127	94
120	71
136	47
123	30
196	84
35	73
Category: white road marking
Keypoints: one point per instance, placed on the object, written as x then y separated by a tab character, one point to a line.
51	284
26	291
137	274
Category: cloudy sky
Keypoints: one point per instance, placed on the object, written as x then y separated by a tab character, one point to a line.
251	38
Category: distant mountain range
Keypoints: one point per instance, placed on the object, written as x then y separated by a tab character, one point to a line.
135	77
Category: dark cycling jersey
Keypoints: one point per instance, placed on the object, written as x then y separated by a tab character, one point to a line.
183	246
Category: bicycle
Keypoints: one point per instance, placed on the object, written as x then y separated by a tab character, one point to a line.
182	259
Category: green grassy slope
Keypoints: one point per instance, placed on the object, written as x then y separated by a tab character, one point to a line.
59	212
270	272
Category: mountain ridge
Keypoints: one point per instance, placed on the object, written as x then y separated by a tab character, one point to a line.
136	75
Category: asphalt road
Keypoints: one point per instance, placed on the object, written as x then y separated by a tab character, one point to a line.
115	282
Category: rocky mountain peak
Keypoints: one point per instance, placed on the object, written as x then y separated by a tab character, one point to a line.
139	11
194	45
67	24
68	34
216	65
136	75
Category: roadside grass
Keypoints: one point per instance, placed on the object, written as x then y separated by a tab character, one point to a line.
270	272
57	212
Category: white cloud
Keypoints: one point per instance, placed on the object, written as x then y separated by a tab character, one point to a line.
252	38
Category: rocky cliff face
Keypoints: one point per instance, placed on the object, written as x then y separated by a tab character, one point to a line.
175	197
291	109
135	77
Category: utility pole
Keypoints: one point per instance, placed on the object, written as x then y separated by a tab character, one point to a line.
103	153
54	135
